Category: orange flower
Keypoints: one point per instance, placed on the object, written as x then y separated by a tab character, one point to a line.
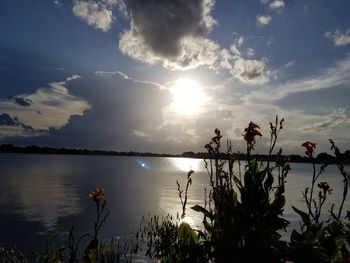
98	194
310	147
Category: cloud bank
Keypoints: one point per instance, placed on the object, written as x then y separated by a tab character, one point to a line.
49	107
174	34
11	126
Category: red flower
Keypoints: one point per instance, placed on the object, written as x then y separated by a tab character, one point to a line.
325	187
250	132
310	147
217	136
98	194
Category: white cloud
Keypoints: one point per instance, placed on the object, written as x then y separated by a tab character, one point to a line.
139	133
112	2
331	77
263	19
332	121
250	52
290	64
58	3
250	71
339	38
73	77
274	4
237	43
94	13
50	107
240	41
277	4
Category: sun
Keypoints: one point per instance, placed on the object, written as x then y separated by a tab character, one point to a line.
188	96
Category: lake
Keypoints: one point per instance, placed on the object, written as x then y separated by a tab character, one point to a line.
42	196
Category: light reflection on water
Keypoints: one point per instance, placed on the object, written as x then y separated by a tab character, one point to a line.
46	204
40	191
48	194
187	164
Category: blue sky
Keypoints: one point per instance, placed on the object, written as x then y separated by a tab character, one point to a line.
160	76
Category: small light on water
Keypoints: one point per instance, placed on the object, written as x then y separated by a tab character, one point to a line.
143	164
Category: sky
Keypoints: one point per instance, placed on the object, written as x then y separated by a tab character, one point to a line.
161	75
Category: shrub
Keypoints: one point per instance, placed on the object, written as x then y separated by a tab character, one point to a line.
325	241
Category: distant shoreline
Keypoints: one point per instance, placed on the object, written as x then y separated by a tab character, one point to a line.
34	149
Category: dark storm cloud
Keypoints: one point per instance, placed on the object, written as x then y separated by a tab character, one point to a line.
170	32
119	106
162	24
6	119
22	101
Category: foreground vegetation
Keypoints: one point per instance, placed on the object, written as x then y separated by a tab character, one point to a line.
242	216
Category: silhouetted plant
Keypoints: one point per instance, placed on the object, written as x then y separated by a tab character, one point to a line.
99	196
184	200
168	239
321	241
345	174
243	217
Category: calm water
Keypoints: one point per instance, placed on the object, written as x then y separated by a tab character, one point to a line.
42	196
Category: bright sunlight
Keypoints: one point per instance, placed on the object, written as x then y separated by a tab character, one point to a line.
186	164
188	96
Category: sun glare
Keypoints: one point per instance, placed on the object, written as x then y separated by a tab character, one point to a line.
186	164
188	96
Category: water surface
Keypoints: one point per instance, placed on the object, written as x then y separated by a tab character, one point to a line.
42	196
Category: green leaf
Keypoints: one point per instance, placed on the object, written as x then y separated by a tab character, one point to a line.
167	259
304	216
339	241
187	236
201	209
208	226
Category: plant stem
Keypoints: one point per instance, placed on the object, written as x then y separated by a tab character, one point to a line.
345	192
312	188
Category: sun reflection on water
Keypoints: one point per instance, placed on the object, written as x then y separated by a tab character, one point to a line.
186	164
189	220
